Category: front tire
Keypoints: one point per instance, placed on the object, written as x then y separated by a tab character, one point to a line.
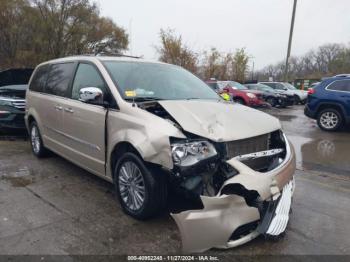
330	119
272	101
141	191
36	141
239	101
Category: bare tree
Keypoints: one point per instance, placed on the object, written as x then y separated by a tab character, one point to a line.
172	50
240	60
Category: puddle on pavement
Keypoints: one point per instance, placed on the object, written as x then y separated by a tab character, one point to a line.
19	178
286	117
323	154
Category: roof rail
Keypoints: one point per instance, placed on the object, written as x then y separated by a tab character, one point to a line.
107	54
116	54
342	75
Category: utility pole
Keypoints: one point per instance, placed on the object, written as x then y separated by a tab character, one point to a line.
290	41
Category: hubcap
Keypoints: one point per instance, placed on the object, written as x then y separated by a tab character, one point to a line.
35	139
131	185
329	120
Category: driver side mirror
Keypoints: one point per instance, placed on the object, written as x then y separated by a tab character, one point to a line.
91	95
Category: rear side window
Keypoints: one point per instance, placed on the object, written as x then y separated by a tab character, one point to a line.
59	79
39	79
340	85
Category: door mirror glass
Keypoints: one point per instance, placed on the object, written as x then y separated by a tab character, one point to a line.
91	95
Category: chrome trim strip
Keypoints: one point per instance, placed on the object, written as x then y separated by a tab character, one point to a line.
12	99
286	158
93	146
260	154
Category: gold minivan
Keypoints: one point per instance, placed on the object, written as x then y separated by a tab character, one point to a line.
155	130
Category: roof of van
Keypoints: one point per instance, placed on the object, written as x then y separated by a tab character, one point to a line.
101	58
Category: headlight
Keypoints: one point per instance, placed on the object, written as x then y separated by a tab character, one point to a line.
190	153
250	95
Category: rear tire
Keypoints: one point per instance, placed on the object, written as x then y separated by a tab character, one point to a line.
296	100
36	141
141	191
330	119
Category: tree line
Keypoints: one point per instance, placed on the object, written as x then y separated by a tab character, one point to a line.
326	60
32	31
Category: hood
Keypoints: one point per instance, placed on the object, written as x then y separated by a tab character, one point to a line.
218	120
13	91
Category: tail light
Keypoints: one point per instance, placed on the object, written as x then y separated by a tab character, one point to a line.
311	91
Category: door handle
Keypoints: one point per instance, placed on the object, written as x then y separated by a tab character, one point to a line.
59	108
69	110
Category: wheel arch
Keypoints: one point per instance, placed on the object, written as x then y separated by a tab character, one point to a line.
118	150
335	106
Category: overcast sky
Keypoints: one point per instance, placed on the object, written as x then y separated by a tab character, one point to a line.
261	26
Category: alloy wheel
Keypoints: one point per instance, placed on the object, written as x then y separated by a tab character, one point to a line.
35	139
131	185
329	120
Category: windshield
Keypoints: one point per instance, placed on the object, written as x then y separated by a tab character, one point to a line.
233	84
289	86
153	81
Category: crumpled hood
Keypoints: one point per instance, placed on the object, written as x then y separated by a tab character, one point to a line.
218	120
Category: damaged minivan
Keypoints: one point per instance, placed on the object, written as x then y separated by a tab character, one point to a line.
155	131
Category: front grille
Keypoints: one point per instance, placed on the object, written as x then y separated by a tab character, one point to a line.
247	146
262	161
19	104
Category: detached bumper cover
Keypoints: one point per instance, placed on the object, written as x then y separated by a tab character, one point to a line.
213	225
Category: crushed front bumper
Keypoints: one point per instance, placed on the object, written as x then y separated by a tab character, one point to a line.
223	214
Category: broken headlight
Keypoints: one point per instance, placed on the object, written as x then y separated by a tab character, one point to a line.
190	153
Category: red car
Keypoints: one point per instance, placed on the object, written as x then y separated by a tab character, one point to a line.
238	92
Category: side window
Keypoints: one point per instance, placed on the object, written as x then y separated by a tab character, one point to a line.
59	79
342	85
279	86
39	79
87	76
273	85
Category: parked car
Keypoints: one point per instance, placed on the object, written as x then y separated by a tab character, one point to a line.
13	86
148	127
299	96
270	95
12	105
239	93
329	103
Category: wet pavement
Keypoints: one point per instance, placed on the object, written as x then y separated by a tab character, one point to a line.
50	206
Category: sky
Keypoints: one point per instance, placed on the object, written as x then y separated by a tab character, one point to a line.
260	26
